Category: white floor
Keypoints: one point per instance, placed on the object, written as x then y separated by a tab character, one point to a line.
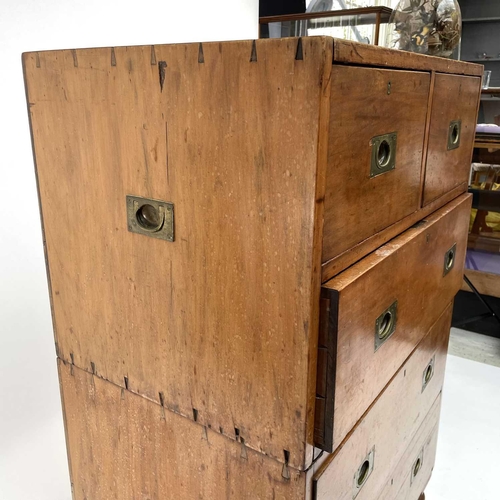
468	456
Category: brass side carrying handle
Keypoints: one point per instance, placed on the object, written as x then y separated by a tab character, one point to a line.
150	217
449	259
428	373
383	157
454	134
363	473
385	324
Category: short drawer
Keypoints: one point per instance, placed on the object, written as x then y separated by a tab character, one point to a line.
376	312
376	137
411	475
451	134
361	467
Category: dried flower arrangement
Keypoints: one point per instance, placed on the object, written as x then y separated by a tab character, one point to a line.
431	27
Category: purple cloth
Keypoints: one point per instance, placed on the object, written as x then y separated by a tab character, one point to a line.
483	261
486	128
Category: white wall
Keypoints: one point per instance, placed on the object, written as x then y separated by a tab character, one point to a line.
32	450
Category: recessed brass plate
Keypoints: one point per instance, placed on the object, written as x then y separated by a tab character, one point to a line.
385	325
383	153
149	217
449	259
428	373
454	134
417	466
363	473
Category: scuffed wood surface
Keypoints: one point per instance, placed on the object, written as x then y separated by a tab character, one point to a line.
124	447
455	98
222	322
356	252
409	270
348	52
402	486
390	424
358	206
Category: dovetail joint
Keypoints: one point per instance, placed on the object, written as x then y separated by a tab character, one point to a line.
299	54
253	55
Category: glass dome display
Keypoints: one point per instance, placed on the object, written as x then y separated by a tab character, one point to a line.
432	27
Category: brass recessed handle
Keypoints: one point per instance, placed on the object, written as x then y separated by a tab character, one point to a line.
449	259
150	217
428	373
363	473
417	466
454	134
383	157
385	324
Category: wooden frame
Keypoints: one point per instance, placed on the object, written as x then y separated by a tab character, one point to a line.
368	15
485	283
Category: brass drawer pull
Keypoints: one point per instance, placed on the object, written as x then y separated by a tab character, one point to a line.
385	325
383	153
428	373
417	466
449	259
454	134
363	472
149	217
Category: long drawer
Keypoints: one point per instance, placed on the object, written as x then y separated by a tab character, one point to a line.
376	312
411	475
361	467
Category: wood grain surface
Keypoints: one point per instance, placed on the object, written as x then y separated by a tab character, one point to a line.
403	485
205	348
455	98
220	325
485	283
332	267
427	137
409	270
125	447
357	252
390	424
357	205
348	52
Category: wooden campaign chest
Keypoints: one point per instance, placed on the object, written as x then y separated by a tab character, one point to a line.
252	248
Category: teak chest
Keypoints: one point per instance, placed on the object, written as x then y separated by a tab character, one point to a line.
252	248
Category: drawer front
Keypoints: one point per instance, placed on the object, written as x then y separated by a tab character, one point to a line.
411	475
362	465
378	311
376	116
451	134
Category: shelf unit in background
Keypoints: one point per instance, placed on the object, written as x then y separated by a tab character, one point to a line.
481	34
481	20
